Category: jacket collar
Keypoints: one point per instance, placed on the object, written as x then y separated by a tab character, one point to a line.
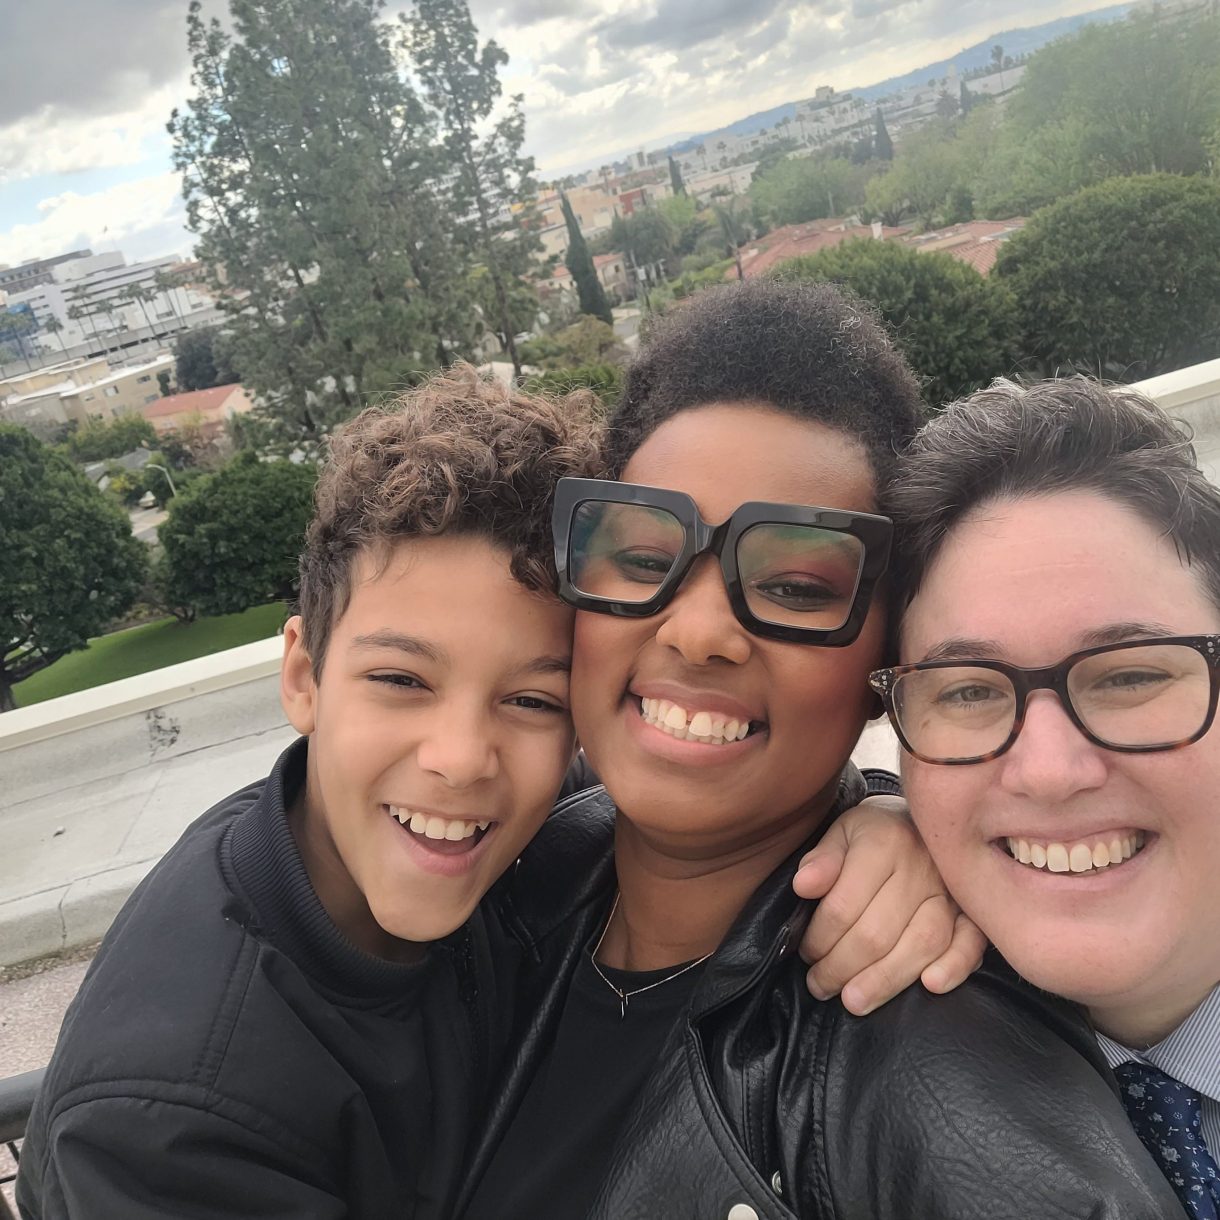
563	882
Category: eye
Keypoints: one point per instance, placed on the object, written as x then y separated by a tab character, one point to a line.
536	703
796	592
644	566
401	681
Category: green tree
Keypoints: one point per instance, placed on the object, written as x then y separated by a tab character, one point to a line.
98	439
580	263
164	381
483	142
955	327
202	360
882	145
926	174
687	221
1120	280
647	236
309	171
53	326
675	178
521	297
799	189
588	341
605	380
231	539
68	562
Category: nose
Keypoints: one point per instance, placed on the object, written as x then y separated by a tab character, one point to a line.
1051	761
459	746
699	622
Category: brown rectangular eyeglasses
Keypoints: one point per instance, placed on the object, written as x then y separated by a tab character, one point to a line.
792	571
1135	697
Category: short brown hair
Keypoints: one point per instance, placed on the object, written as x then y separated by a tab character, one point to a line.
457	455
1052	436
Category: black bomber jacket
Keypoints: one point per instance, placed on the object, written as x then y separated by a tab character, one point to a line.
991	1102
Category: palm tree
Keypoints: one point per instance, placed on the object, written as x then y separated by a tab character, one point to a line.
734	232
55	327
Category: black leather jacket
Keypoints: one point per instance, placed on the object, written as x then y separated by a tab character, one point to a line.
990	1102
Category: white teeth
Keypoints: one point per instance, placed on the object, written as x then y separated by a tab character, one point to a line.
433	827
1080	857
709	728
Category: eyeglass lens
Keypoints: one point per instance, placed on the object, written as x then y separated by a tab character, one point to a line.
1156	695
795	575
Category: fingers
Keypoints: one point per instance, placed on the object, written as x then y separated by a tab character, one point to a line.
820	868
888	865
960	960
925	939
873	935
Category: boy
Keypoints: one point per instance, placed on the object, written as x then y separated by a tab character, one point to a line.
249	1039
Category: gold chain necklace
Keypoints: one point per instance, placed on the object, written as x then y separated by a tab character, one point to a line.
624	996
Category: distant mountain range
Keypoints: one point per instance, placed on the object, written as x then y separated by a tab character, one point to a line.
1015	43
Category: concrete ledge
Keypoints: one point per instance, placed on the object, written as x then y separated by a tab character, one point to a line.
160	687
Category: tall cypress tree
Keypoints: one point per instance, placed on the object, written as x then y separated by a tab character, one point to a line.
883	146
580	264
675	177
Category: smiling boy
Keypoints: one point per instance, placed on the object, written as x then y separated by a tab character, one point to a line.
250	1038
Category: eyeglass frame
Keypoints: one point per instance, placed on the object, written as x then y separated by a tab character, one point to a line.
1027	679
874	532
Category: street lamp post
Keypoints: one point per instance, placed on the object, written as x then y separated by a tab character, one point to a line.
173	491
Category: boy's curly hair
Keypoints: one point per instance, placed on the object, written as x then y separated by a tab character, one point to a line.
457	455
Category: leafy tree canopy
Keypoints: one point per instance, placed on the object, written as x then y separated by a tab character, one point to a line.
954	326
1122	279
809	188
203	360
68	562
231	540
605	380
101	439
588	341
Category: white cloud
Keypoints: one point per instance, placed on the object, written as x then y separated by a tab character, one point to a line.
52	141
143	218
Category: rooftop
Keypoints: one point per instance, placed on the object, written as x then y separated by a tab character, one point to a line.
195	400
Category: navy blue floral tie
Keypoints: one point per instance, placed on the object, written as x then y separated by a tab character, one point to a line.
1165	1115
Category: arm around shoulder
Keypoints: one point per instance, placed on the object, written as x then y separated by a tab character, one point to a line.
993	1102
168	1154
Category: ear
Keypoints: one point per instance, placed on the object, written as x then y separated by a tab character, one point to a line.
298	690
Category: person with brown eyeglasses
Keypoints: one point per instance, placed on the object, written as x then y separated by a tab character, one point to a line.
1060	581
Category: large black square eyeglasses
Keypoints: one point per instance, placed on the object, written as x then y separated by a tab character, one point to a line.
792	572
1134	697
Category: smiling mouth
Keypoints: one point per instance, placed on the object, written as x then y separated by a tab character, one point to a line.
1097	854
447	836
710	728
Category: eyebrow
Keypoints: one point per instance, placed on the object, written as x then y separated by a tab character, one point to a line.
401	642
961	649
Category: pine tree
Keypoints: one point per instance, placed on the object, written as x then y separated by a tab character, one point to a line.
580	263
883	146
307	162
490	180
675	177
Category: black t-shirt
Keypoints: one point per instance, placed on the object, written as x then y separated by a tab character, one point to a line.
558	1149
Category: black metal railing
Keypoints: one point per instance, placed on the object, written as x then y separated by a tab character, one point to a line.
16	1099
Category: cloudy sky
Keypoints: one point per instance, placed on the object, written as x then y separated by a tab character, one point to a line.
84	157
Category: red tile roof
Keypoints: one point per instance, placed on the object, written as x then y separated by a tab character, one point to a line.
183	404
794	240
976	242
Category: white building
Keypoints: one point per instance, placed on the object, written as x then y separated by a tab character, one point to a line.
103	305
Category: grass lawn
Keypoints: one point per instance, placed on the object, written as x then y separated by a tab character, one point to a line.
152	646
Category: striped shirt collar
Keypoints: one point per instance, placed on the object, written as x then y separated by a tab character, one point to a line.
1191	1054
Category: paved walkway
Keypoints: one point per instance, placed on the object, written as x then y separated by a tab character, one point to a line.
69	859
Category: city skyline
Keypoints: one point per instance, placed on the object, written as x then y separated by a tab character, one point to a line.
84	157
